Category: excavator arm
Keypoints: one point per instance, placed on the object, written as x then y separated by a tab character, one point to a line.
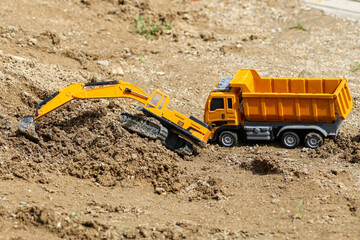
110	89
115	89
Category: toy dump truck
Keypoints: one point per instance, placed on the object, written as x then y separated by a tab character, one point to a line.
250	107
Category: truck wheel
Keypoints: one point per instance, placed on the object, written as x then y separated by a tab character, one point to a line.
313	140
290	139
228	139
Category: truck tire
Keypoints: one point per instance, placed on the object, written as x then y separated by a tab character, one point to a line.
228	139
290	139
313	140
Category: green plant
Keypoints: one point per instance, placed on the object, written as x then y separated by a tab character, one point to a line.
299	26
167	26
73	215
145	27
299	215
356	68
140	25
141	58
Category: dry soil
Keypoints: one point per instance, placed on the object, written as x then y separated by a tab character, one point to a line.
89	178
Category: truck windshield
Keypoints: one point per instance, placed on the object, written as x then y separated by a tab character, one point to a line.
216	103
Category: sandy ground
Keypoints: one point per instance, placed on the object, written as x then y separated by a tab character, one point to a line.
89	178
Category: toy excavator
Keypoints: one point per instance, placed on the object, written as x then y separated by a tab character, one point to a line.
175	130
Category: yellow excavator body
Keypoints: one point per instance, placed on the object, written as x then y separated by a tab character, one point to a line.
155	106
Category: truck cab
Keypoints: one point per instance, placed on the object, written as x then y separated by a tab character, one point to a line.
224	108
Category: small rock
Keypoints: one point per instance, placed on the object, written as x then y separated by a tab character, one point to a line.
160	190
130	235
19	59
127	53
144	233
118	70
160	73
12	29
253	37
33	41
134	156
104	63
23	203
186	17
304	149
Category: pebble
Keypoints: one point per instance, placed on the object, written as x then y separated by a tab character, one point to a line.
19	59
23	203
104	63
12	29
160	73
127	53
160	190
33	41
118	70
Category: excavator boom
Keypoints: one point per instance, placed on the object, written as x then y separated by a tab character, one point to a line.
116	89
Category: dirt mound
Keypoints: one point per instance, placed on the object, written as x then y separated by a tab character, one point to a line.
91	146
345	145
72	227
62	226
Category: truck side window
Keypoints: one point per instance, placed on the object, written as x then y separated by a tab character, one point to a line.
229	103
240	97
216	103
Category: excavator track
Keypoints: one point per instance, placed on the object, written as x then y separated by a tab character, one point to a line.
152	130
143	127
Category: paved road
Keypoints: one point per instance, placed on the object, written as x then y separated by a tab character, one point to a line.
340	8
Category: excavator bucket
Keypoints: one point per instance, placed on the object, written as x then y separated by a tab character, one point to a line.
27	128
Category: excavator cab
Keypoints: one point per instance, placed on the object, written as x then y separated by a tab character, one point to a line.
157	103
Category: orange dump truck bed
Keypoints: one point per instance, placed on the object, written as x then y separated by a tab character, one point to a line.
292	99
